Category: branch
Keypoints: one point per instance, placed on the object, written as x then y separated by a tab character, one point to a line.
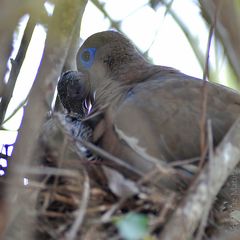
59	36
16	66
228	22
70	62
10	13
72	233
100	6
187	216
203	120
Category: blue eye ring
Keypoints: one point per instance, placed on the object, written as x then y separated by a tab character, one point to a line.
87	57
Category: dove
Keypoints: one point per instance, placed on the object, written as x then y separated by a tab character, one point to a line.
151	113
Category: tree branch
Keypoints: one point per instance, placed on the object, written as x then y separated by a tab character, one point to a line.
61	27
228	22
10	12
16	66
187	216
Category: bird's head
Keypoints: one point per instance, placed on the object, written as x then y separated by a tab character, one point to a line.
74	92
108	55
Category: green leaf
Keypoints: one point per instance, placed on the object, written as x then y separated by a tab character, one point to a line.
133	226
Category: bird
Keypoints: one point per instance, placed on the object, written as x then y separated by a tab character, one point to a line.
73	90
151	113
147	115
74	93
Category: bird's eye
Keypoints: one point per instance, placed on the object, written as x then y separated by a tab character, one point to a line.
87	57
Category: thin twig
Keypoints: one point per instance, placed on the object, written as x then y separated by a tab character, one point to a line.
207	208
228	22
95	149
10	13
205	93
163	215
16	66
108	215
225	159
5	156
15	110
188	34
184	162
46	171
61	159
100	6
72	233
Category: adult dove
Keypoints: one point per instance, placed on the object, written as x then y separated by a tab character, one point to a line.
151	113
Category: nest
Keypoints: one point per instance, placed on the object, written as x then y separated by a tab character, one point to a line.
77	201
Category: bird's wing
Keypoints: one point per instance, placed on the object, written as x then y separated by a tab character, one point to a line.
160	119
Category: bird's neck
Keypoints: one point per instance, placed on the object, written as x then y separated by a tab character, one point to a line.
109	93
132	73
113	89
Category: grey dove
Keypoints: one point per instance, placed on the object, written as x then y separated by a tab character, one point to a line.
151	113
